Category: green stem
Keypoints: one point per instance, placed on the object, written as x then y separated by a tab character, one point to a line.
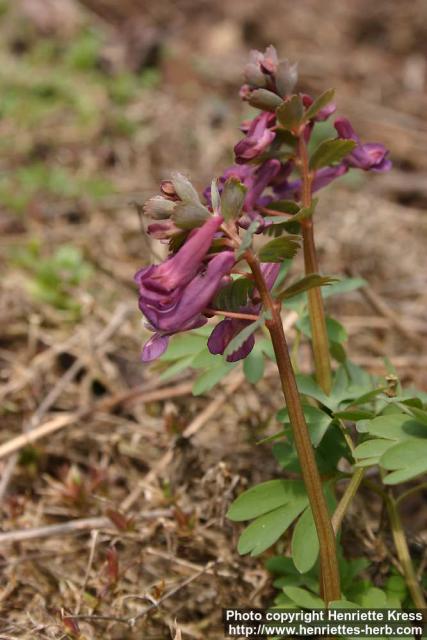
328	556
347	497
403	552
322	359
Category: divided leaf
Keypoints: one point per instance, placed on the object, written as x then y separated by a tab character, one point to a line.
399	445
320	102
309	282
317	420
211	377
303	598
329	152
287	206
234	295
279	249
268	528
344	285
305	543
264	497
336	331
406	461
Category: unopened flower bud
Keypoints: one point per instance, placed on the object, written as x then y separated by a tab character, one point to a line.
168	190
158	208
286	77
184	189
254	76
269	61
265	100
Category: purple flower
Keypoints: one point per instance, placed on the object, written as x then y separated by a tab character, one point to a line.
173	294
227	329
371	156
255	179
182	267
258	138
322	178
224	333
162	230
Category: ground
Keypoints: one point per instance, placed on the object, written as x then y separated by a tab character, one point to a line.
99	102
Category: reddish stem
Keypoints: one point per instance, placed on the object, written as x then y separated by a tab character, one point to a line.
328	557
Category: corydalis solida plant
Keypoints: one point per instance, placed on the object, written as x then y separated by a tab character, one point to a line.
213	270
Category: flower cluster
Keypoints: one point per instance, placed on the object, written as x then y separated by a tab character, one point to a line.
179	294
174	294
261	143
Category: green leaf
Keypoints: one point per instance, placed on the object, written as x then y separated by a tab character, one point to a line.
182	346
304	598
211	377
189	215
400	446
343	604
242	336
265	497
308	387
336	331
305	212
337	352
305	543
374	598
330	151
372	449
398	426
253	366
344	286
279	249
290	113
367	397
232	199
247	239
177	367
204	360
419	414
317	421
354	414
280	565
287	206
266	347
234	295
406	460
267	529
309	282
320	102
